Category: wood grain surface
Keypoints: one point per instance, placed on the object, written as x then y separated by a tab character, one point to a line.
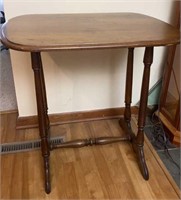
45	32
100	172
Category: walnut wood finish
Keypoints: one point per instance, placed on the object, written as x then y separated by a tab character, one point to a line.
36	33
47	32
42	114
138	142
89	142
42	79
128	90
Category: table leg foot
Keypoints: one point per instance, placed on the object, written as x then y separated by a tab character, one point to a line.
138	142
47	175
138	148
141	160
126	126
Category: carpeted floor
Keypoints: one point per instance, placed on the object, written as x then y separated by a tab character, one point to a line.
7	90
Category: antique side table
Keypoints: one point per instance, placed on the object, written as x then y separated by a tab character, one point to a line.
50	32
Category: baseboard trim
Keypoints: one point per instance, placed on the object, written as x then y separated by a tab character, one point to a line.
72	117
4	112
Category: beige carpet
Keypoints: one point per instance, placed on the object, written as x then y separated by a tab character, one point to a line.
7	90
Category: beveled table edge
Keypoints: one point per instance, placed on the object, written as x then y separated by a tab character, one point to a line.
29	48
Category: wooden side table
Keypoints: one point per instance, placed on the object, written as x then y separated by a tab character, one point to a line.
37	33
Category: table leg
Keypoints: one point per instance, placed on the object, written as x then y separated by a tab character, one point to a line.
128	89
139	140
44	94
42	114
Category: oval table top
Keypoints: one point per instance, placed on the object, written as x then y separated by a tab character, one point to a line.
45	32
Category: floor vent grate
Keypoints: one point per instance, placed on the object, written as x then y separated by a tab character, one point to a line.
17	147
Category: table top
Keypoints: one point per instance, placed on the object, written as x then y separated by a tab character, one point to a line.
45	32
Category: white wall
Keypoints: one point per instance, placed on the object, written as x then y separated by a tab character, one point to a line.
1	5
88	79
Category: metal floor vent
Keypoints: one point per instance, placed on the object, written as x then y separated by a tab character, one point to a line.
17	147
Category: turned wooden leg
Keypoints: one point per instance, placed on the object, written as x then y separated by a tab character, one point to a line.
44	94
139	140
42	114
89	142
125	124
128	89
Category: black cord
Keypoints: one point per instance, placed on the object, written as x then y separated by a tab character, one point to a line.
161	137
2	19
